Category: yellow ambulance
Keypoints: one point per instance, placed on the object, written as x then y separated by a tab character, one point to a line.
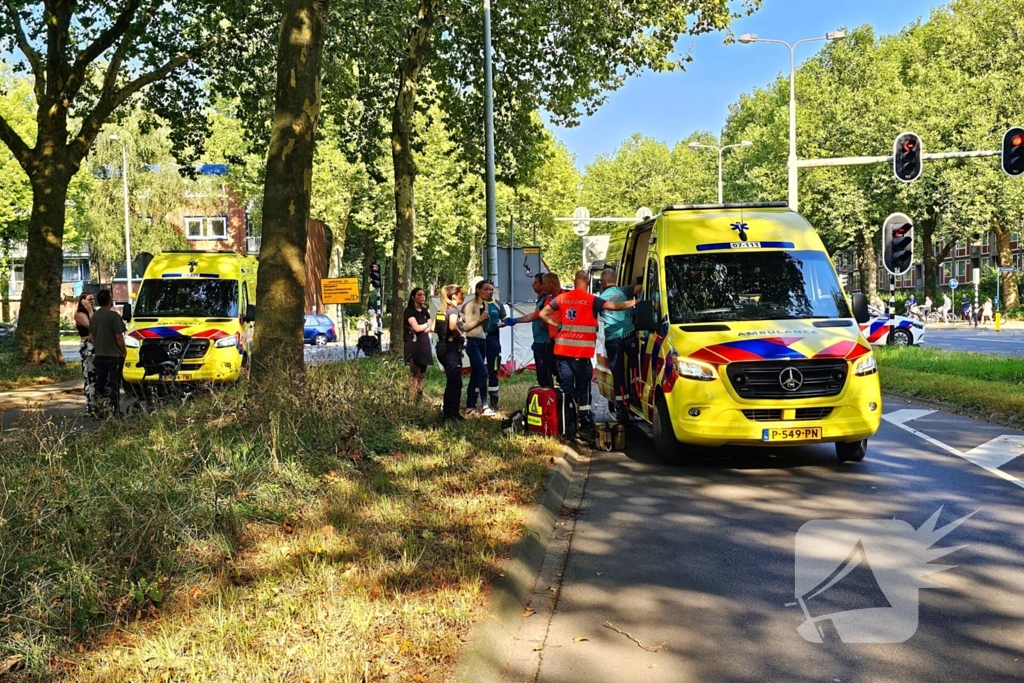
198	307
745	334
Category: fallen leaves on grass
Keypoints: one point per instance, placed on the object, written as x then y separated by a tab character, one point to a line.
12	665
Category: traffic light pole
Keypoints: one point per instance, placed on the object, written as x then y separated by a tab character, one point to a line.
892	306
864	161
380	315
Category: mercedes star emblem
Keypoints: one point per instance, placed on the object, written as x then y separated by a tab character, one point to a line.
174	349
791	379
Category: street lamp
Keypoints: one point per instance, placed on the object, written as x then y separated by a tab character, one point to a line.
696	145
489	189
832	36
127	235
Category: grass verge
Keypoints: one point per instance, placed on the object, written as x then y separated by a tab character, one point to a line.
14	376
340	537
982	385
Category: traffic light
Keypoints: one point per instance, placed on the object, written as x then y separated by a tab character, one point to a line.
375	275
898	244
1013	152
906	157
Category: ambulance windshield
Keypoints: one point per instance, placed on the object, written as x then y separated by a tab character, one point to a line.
752	285
188	298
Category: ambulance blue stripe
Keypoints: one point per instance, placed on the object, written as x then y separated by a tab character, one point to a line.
729	245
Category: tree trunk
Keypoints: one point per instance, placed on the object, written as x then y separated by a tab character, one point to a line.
405	165
931	264
38	332
5	281
1004	257
280	285
473	265
369	256
868	268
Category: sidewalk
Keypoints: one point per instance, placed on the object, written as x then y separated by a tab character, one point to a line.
40	392
1009	326
61	403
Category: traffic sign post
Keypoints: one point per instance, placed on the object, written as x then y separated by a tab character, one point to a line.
339	290
977	282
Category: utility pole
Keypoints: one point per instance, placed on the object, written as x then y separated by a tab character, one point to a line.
492	219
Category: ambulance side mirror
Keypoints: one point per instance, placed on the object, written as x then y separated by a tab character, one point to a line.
126	312
250	313
860	308
646	320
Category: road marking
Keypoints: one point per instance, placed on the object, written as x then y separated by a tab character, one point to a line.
996	341
997	452
989	456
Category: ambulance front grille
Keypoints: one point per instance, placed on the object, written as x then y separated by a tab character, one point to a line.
197	348
805	378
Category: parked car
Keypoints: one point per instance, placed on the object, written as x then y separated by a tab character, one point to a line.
319	330
6	330
908	332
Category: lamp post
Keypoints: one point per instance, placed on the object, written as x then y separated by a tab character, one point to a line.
696	145
127	234
492	218
748	38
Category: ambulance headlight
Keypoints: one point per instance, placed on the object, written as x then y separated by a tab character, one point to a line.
866	366
131	342
693	369
226	342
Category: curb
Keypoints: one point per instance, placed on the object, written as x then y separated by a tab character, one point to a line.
490	643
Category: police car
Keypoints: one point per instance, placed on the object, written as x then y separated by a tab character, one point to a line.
907	332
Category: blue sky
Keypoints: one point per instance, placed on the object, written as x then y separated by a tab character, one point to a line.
668	107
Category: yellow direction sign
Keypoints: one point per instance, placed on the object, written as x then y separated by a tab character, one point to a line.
340	290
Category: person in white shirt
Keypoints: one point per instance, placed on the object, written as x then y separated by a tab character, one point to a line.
947	307
986	311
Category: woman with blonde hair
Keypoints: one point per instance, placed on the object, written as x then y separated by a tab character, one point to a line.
449	327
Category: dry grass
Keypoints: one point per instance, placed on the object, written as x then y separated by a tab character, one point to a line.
344	539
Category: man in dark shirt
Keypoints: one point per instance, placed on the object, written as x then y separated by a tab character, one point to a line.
108	339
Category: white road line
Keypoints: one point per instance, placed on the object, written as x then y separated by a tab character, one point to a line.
989	456
997	452
996	341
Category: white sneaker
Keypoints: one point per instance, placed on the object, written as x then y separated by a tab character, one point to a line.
487	412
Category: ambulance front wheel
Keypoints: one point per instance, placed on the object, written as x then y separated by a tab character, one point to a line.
852	452
666	445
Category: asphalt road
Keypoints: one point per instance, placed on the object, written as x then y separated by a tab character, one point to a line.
700	563
1007	342
313	354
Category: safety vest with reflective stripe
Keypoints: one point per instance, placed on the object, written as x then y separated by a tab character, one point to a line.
578	335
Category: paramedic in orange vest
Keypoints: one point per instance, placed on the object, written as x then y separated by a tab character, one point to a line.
573	316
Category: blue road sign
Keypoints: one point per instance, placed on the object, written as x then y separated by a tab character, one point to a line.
953	283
